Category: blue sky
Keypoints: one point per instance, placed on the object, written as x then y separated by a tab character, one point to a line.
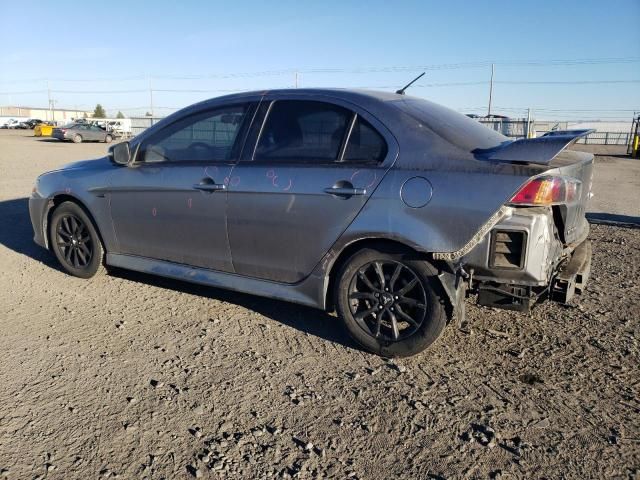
208	48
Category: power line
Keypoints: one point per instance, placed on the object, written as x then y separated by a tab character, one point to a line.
563	82
367	69
98	91
424	85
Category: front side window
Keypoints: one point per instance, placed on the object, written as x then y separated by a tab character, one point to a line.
303	132
208	136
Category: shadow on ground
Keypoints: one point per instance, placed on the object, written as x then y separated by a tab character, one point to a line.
613	219
16	234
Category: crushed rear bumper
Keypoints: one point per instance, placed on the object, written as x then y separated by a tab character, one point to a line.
574	275
522	261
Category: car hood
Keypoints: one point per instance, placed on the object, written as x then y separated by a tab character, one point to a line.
95	164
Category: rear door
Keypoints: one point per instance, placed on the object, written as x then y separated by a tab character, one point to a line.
170	205
306	172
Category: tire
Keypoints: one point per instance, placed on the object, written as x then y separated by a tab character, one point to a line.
77	139
75	241
369	312
108	139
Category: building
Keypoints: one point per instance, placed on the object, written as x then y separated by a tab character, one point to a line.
56	114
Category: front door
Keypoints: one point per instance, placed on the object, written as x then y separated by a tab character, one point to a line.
314	166
170	204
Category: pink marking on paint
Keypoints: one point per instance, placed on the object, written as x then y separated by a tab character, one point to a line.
154	212
189	202
288	187
375	177
235	181
354	174
67	190
271	174
273	181
226	180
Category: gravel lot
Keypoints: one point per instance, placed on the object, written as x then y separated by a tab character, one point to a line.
132	376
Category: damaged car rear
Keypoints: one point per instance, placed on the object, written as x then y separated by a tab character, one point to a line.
386	208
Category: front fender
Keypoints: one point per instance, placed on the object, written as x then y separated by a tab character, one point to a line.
75	184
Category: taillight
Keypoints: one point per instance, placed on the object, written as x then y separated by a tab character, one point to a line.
547	191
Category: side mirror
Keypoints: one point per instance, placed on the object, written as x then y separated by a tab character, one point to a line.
120	153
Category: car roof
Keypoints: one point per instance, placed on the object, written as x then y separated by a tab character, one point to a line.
357	96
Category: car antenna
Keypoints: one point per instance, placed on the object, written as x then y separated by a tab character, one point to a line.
401	91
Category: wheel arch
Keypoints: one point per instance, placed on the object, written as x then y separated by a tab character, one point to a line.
385	245
55	202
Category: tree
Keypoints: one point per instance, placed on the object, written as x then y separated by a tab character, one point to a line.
99	112
85	115
120	114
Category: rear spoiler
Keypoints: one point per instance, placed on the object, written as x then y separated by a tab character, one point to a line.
541	150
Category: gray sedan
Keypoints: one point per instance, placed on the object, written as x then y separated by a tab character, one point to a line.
387	208
81	132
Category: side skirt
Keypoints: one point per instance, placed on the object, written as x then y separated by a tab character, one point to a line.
306	292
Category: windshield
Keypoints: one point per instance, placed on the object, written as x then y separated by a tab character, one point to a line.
454	127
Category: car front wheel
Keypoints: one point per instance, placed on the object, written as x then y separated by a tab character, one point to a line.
108	139
75	241
390	304
77	139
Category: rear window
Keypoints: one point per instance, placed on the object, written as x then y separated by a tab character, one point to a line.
454	127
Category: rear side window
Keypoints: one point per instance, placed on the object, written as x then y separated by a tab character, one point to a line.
303	132
365	145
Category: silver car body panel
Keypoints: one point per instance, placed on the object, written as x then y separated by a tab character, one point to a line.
542	253
275	231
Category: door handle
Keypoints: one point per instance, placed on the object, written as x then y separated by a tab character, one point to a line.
344	189
208	185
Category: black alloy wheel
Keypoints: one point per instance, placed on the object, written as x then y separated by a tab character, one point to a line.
75	241
387	300
390	302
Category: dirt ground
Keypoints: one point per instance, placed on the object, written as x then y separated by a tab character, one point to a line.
131	376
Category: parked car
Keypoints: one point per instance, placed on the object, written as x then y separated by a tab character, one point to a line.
78	133
10	124
29	124
386	207
44	129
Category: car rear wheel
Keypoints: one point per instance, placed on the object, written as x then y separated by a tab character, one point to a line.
75	241
108	139
77	139
389	303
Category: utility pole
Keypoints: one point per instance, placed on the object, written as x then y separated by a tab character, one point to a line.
528	123
490	90
150	97
296	82
49	98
